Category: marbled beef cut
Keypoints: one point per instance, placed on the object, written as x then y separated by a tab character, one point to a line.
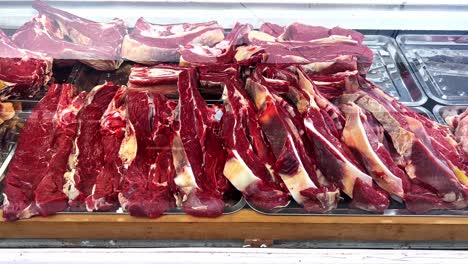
32	183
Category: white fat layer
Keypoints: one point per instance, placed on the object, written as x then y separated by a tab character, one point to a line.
128	146
334	39
321	178
6	202
178	200
296	59
299	181
316	67
295	184
354	135
322	83
245	52
238	173
158	72
262	36
450	197
410	170
95	202
350	172
28	212
271	172
145	73
206	51
69	187
185	179
139	52
178	30
123	202
201	207
208	38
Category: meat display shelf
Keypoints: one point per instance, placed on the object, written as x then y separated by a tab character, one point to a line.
391	72
440	64
232	206
395	209
246	224
425	112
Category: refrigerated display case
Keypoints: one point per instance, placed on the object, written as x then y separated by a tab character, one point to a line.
273	122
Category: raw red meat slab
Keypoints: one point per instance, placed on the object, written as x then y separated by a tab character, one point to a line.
87	159
34	154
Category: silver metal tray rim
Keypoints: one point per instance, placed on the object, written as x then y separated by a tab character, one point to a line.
418	77
406	64
297	211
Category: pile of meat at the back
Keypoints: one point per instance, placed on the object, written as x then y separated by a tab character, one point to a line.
297	121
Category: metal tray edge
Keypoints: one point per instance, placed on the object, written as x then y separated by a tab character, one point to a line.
423	110
407	65
418	78
358	212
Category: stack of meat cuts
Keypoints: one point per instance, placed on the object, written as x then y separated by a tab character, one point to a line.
297	122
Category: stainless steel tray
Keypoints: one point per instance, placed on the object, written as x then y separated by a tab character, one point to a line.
442	111
394	210
440	64
391	72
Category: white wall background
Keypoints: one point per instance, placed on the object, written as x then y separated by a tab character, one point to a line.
357	14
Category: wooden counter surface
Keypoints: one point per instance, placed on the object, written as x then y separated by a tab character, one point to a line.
245	224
